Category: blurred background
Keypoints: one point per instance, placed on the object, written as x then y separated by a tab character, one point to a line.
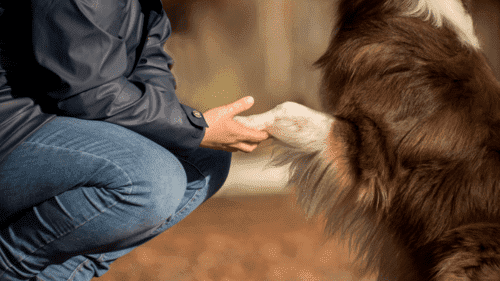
227	49
252	229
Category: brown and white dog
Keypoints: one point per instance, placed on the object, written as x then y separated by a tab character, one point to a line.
405	157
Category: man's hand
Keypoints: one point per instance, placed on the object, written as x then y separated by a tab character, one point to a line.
223	133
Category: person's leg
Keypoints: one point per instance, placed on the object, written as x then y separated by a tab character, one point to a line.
206	171
79	188
82	267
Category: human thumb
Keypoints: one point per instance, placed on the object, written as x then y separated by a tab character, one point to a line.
240	105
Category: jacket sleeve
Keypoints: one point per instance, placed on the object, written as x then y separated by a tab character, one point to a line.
90	46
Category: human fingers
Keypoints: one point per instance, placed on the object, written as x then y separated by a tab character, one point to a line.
230	149
246	147
250	135
238	106
258	121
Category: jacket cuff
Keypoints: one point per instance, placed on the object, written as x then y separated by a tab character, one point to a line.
195	117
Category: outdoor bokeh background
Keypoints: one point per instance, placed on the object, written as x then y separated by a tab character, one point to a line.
252	230
227	49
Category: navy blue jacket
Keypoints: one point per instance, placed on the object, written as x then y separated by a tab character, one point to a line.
97	60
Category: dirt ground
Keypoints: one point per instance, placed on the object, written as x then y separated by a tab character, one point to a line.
239	238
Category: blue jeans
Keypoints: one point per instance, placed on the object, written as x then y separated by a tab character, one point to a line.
78	194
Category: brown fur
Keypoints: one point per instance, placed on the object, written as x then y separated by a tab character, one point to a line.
414	172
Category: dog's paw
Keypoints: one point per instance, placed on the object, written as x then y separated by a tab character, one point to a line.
293	124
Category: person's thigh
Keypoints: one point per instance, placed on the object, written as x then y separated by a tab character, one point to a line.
207	167
79	187
206	172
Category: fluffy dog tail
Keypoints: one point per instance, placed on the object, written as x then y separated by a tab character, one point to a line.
467	253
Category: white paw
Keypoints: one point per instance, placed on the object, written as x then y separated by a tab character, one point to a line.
293	124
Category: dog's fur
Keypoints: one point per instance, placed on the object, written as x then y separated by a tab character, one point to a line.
411	166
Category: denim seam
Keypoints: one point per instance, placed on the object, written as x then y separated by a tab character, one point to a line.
178	213
80	266
193	198
129	183
101	258
73	274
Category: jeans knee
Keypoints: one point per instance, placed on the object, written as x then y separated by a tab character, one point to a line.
158	188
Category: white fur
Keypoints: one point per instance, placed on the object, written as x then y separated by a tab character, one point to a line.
451	11
293	124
